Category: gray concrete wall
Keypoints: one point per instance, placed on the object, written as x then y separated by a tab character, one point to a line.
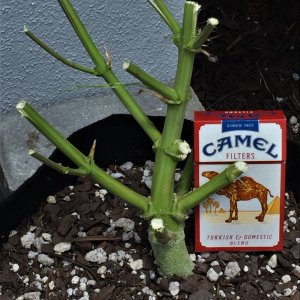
128	29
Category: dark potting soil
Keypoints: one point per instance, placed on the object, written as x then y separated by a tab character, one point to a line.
254	64
105	253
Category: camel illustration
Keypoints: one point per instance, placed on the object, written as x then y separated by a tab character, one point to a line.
243	189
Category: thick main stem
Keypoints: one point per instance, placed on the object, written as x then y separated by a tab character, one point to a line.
172	256
165	165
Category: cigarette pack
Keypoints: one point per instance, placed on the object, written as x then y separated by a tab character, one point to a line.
247	215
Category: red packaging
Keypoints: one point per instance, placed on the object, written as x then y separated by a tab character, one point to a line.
252	218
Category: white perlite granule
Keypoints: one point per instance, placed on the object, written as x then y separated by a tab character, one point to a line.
272	262
126	166
136	264
212	275
125	223
27	239
47	237
51	200
286	278
98	255
30	296
232	269
15	268
45	260
174	288
62	247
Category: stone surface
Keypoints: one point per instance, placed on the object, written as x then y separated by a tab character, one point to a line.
27	72
17	135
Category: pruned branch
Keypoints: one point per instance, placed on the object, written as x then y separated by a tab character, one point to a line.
58	166
56	55
166	15
83	162
223	179
167	92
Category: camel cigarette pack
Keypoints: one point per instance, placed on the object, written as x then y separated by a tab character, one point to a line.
247	215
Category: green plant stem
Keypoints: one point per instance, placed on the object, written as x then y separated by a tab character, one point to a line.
103	69
56	55
165	165
202	36
57	166
79	159
223	179
87	42
166	15
167	92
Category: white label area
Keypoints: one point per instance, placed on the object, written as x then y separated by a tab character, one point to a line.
248	218
245	145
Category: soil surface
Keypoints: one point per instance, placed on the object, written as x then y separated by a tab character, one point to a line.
251	62
84	243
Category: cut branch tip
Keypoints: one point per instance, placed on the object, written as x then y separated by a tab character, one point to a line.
31	152
213	21
241	166
25	29
126	65
196	5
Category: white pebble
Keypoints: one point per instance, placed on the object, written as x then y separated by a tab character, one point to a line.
51	200
136	264
152	274
62	247
295	76
30	296
222	294
32	254
75	279
15	268
126	166
212	275
51	285
125	223
214	263
83	280
45	279
147	181
232	269
127	245
272	262
293	220
45	260
102	270
98	255
177	176
82	286
91	282
117	175
174	288
293	120
286	278
12	233
193	257
269	269
67	198
26	280
27	239
47	237
245	269
287	292
291	213
70	291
